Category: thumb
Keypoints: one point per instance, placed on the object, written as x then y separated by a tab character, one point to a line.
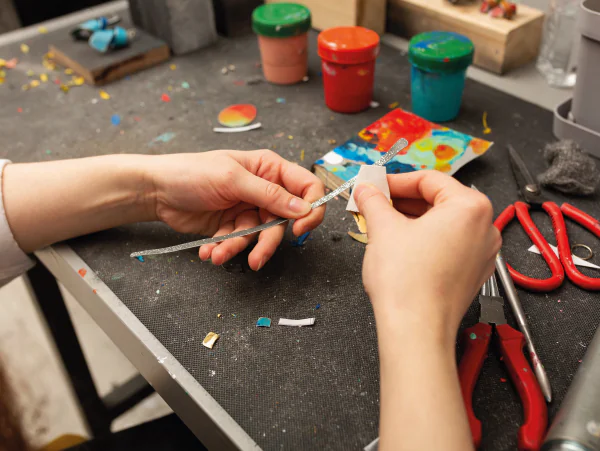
271	196
373	205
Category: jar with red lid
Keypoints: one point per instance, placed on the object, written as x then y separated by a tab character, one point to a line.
348	57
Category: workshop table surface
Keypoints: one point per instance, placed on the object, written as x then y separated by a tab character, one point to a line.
278	387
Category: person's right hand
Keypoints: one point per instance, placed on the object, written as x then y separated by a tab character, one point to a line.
429	254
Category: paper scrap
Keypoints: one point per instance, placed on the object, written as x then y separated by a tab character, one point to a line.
237	129
210	340
296	322
361	222
164	138
104	95
44	78
24	48
78	81
115	119
173	66
360	237
299	242
374	175
578	261
263	322
165	97
486	130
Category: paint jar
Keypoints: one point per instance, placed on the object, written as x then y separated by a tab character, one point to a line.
439	63
282	38
348	57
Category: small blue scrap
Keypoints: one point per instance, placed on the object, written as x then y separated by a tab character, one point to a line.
185	85
318	307
280	100
299	242
140	258
263	322
164	138
115	119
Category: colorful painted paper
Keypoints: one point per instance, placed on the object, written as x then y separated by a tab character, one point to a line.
237	115
431	146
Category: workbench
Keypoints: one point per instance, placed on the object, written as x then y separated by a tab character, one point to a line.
278	388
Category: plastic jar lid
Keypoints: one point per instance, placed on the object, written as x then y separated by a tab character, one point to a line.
281	20
348	45
441	51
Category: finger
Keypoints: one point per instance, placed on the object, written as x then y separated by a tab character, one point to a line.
411	207
375	207
432	186
268	240
315	217
229	248
205	251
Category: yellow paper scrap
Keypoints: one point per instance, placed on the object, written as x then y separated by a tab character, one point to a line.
486	130
78	81
24	48
2	62
49	64
173	66
302	155
44	78
361	222
210	340
169	88
64	88
25	87
68	71
30	73
104	95
42	30
34	83
2	74
391	106
360	237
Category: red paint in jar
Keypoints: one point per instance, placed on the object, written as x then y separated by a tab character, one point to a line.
348	57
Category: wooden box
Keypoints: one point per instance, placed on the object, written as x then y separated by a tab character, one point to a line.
335	13
500	44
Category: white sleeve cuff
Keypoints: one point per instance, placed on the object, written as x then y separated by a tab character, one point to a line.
13	261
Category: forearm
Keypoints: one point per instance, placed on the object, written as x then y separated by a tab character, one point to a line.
54	201
421	402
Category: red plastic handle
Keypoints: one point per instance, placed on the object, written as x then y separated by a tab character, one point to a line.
535	412
558	273
476	340
564	247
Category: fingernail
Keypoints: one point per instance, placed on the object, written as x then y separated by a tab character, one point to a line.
260	265
361	189
299	205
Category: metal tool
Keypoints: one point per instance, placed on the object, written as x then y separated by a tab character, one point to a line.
533	196
577	424
517	309
386	158
477	340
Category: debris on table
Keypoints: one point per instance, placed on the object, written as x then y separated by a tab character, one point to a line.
185	85
361	222
374	104
332	141
165	98
25	48
210	340
141	258
231	68
104	95
224	71
296	322
263	322
115	119
393	105
173	66
82	272
280	100
486	129
237	129
219	315
299	242
360	237
318	306
302	155
164	138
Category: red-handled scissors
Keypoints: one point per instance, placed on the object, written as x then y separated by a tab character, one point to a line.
534	198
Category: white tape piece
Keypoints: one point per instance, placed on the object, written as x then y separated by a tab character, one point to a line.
375	175
296	322
373	446
578	261
237	129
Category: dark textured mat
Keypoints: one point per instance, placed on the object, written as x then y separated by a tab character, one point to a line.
289	388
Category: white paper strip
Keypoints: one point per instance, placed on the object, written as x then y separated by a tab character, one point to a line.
578	261
237	129
296	322
375	175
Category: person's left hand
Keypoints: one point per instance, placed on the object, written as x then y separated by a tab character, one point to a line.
220	192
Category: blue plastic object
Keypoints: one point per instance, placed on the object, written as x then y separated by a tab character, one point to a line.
437	96
263	322
114	38
94	24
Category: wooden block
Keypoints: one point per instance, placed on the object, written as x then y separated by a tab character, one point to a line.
500	44
102	68
336	13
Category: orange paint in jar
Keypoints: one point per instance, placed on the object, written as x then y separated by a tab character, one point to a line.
348	57
282	38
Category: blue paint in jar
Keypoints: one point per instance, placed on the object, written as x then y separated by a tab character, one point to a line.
439	63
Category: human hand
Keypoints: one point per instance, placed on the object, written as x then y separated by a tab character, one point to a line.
429	254
220	192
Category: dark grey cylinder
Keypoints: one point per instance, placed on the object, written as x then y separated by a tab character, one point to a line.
577	424
186	25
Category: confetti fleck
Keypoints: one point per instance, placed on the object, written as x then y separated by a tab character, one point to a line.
115	119
42	30
302	155
263	322
224	71
231	67
393	105
318	306
486	130
12	63
24	48
157	291
19	110
173	66
472	336
30	73
64	88
141	258
210	340
290	137
82	272
164	138
299	242
78	81
280	100
44	78
374	104
185	85
169	88
165	98
68	71
94	101
34	83
48	152
95	291
331	141
104	95
219	315
305	78
502	379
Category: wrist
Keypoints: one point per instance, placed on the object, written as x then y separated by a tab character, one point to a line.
134	177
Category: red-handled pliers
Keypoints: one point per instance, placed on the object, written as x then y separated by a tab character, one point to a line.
534	198
476	341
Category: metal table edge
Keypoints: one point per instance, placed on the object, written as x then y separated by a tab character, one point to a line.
200	412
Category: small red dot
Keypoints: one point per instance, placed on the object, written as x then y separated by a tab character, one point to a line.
165	98
502	379
19	110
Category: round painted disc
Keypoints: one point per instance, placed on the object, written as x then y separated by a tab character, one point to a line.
237	115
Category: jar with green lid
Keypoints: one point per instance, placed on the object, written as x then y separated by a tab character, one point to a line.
282	38
439	62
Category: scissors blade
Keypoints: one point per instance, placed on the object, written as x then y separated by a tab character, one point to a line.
526	182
